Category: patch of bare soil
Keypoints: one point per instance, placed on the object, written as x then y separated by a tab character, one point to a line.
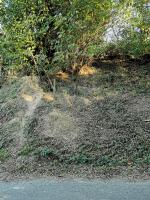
98	126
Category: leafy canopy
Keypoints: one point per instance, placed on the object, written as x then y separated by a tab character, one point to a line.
54	34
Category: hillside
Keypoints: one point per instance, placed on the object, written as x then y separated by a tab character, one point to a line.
96	126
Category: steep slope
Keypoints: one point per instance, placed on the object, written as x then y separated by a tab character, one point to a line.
98	126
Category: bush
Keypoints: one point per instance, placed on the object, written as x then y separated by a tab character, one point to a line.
3	154
47	36
50	33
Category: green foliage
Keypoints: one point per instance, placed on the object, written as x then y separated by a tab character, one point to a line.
3	154
80	158
45	152
135	35
49	35
26	150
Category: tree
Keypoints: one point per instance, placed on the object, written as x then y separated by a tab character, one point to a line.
52	34
46	34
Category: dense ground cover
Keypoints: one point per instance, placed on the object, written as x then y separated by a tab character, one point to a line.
95	125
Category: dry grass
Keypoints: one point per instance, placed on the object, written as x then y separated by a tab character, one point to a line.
87	70
100	128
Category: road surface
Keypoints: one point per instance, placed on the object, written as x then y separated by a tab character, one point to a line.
74	190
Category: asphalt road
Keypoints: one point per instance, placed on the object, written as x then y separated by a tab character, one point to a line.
74	190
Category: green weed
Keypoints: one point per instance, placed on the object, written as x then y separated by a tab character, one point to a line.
26	150
3	154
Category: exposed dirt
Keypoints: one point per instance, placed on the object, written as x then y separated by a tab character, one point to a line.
98	126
